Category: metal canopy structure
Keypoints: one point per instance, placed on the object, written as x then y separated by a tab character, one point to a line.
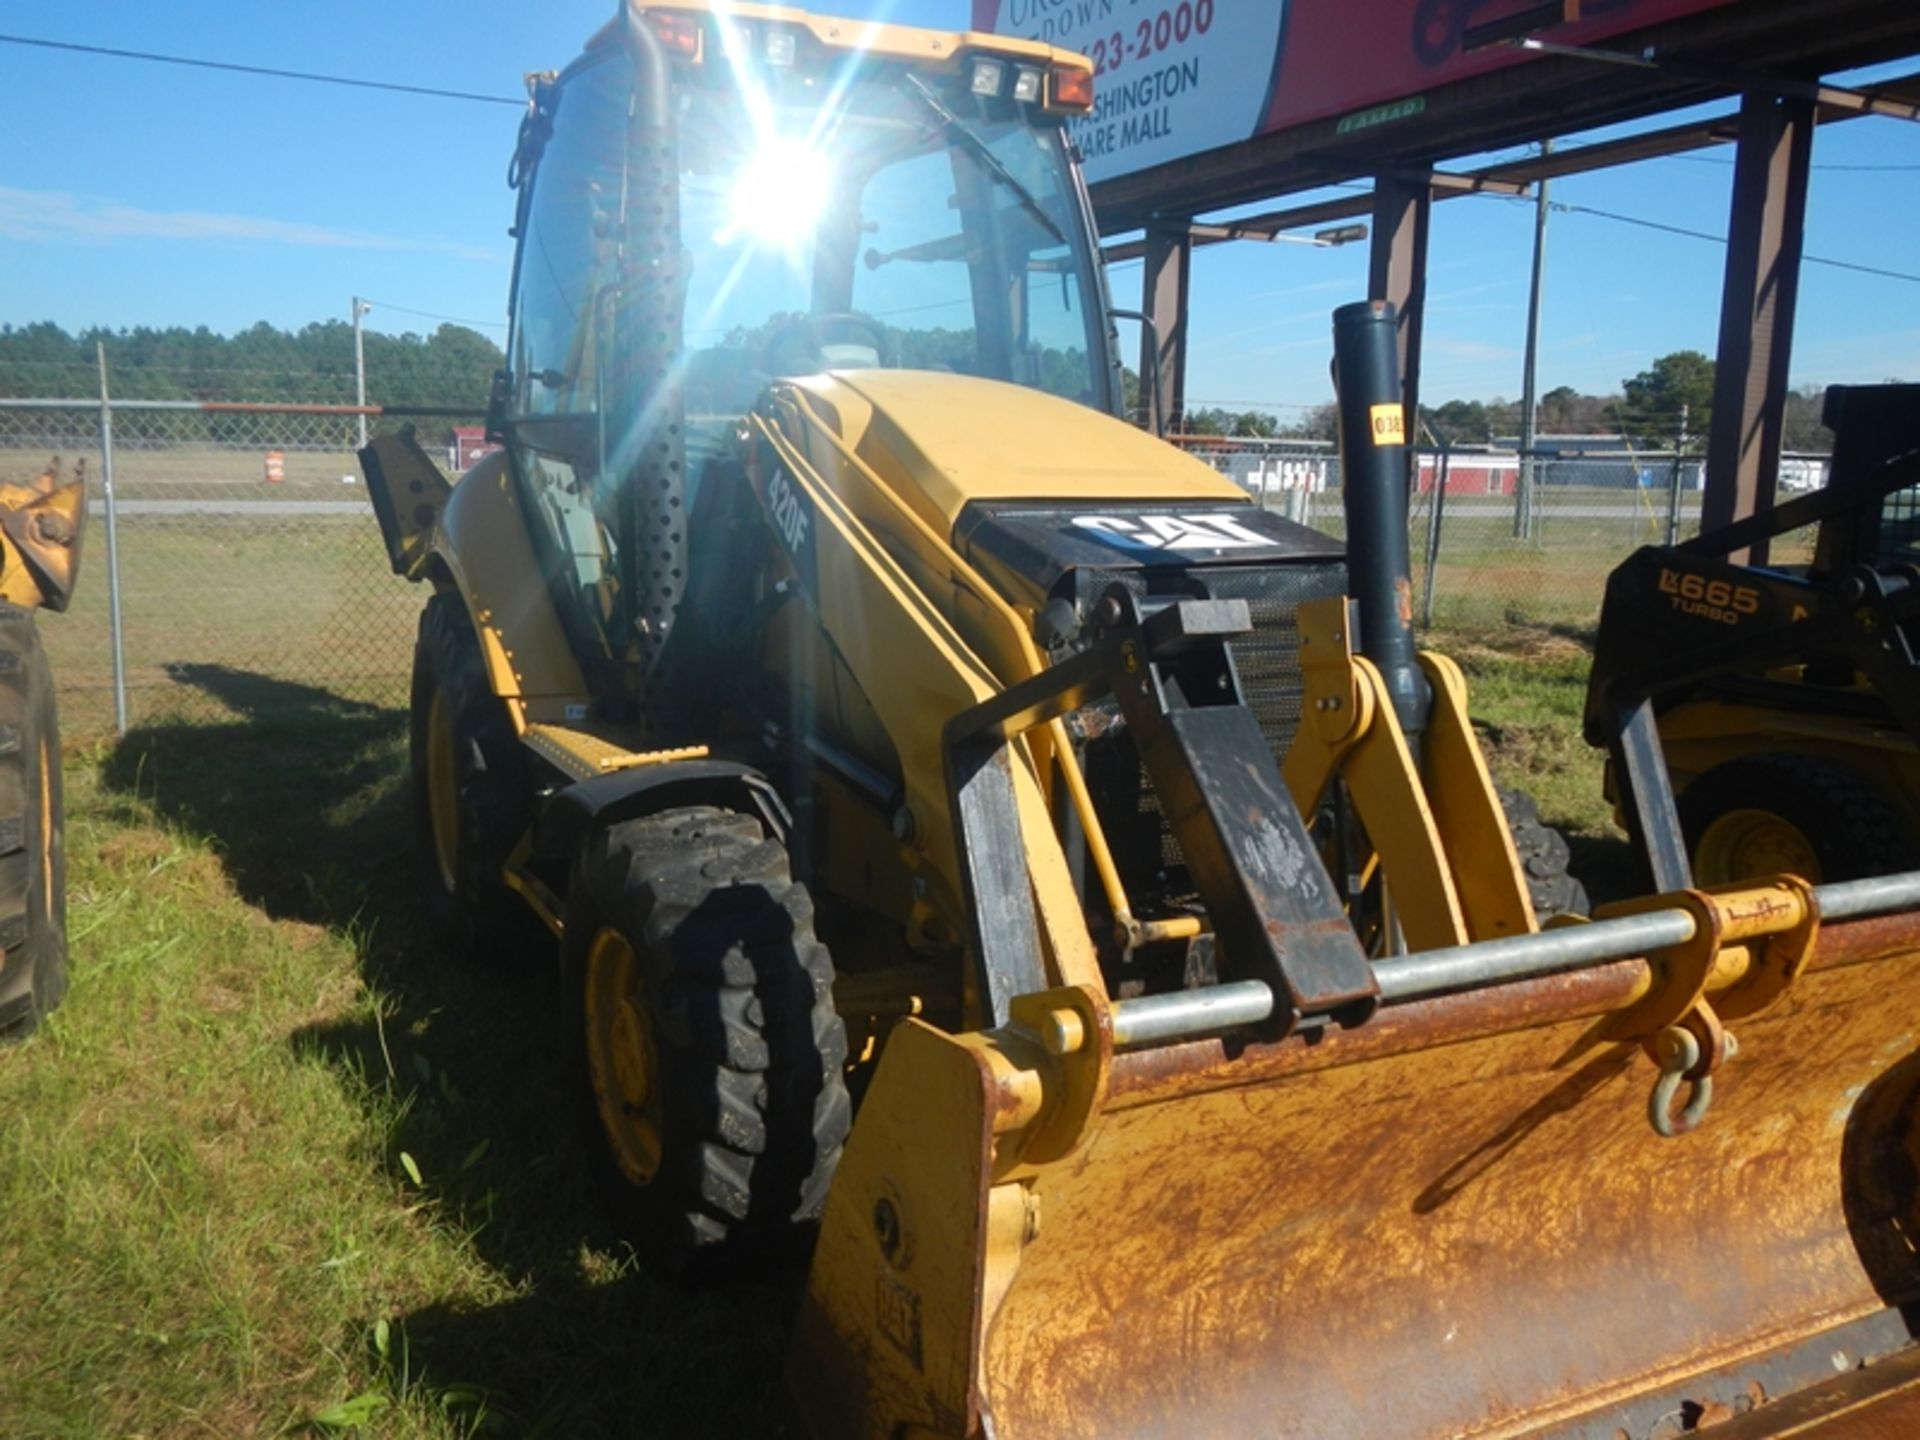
1765	56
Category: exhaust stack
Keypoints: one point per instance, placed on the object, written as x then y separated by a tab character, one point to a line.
1373	469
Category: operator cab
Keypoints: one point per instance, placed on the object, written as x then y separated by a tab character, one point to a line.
710	203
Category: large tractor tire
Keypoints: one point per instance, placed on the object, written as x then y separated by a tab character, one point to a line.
1792	814
710	1054
33	866
1544	858
470	790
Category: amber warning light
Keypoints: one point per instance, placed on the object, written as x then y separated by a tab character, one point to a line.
1072	89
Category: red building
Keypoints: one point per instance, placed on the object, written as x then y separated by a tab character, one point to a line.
470	443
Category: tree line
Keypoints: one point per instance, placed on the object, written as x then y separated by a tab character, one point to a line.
262	364
1668	405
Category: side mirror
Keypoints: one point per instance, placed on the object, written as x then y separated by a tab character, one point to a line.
498	395
1156	422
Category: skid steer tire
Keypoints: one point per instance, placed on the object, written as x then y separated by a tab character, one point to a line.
33	867
710	1057
1774	813
1544	858
470	791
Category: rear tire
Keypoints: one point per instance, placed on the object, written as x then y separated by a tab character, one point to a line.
1544	857
33	868
710	1056
1765	814
470	785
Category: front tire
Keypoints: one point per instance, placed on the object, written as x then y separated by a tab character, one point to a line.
33	868
1544	859
1791	814
470	789
710	1056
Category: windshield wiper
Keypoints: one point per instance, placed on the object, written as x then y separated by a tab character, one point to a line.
956	129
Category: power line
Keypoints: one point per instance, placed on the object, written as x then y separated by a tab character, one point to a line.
1722	240
429	315
269	71
1819	165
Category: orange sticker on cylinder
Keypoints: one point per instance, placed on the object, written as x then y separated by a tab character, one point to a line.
1389	424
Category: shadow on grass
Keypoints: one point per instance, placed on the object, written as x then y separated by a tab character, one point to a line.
306	801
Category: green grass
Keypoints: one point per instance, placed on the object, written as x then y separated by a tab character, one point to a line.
273	1164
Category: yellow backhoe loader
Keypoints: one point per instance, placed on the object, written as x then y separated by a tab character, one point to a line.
981	842
41	523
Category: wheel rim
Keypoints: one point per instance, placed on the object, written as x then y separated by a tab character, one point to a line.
1743	844
443	790
621	1057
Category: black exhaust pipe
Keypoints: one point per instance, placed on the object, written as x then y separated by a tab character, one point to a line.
1373	473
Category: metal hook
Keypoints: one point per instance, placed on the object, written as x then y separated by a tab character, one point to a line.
1677	1051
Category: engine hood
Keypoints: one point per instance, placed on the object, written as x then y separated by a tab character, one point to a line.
948	441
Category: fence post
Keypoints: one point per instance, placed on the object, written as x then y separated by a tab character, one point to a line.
113	546
1673	501
1433	533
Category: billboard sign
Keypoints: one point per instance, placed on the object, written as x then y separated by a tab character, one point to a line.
1177	78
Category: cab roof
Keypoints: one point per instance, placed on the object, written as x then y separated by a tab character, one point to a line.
936	49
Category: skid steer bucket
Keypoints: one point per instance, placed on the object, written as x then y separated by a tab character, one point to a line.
1452	1219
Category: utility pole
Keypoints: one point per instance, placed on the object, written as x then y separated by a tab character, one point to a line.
360	308
1529	383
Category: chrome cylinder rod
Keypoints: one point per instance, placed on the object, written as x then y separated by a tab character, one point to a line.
1216	1009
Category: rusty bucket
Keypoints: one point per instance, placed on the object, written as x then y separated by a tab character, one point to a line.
1454	1219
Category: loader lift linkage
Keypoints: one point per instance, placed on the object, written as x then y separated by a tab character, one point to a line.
1271	902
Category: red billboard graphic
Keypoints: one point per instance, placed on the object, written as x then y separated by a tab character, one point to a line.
1176	78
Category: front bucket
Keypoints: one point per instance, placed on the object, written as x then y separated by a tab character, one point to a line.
1454	1220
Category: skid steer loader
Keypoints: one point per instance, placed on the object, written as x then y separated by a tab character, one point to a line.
1762	717
872	716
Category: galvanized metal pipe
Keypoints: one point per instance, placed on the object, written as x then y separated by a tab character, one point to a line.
1216	1009
117	634
1523	957
1187	1014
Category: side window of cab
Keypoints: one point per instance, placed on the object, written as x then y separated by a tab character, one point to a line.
568	260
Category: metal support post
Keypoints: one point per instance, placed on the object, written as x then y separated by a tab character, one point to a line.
1523	504
1164	294
115	630
1397	267
1673	480
360	309
1433	532
1756	310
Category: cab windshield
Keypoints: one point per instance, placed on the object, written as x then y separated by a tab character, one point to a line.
879	225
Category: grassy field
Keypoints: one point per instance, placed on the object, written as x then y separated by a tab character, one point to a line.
276	1169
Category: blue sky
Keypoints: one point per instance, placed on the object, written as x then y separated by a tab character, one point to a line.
141	194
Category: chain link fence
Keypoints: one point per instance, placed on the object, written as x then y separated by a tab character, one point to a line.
250	574
1497	541
240	550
